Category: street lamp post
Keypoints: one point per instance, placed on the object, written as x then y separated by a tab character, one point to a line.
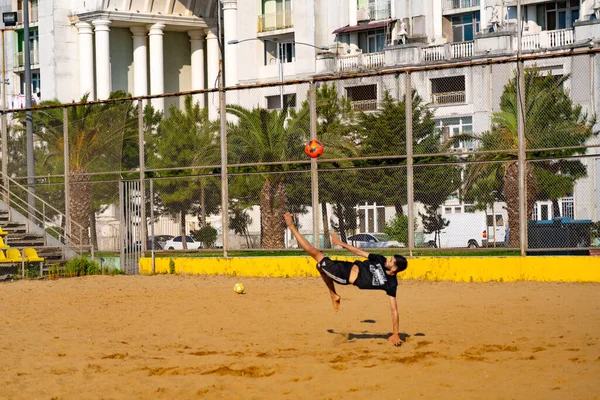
278	55
28	115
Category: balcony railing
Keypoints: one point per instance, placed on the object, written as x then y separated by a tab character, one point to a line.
20	58
547	39
364	105
275	21
448	97
33	16
361	61
457	4
374	12
461	50
433	53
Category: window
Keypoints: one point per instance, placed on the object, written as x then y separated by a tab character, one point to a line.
285	51
364	98
35	83
567	209
371	41
558	14
274	102
451	127
448	90
464	27
499	220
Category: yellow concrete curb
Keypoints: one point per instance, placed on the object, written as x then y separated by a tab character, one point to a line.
458	269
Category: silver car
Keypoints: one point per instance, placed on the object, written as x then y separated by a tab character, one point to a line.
371	240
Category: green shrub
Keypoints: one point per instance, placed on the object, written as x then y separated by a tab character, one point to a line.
81	266
171	266
207	235
397	228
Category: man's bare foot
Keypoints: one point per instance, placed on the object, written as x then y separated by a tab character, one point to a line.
336	301
289	219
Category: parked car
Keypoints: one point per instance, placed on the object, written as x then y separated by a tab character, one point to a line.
162	239
177	244
372	240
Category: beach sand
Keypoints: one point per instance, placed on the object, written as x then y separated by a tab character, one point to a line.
186	337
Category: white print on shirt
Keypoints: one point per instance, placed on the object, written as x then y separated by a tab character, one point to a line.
378	275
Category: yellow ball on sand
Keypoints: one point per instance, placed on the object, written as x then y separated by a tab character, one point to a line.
238	288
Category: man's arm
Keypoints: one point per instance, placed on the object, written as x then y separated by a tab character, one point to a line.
395	338
336	241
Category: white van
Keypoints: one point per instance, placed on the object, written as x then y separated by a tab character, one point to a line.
469	230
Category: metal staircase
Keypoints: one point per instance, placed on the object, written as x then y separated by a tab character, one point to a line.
37	229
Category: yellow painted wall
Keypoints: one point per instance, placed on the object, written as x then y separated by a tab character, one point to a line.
459	269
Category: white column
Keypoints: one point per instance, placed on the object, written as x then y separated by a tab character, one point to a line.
157	75
86	59
230	26
212	72
197	51
483	18
437	22
103	84
352	8
140	60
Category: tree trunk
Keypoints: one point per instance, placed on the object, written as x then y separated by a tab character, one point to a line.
341	221
511	196
399	210
325	217
93	235
182	229
273	204
80	205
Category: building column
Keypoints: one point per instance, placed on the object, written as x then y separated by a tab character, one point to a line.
102	33
157	75
212	71
197	51
438	37
86	60
230	27
352	12
140	60
483	18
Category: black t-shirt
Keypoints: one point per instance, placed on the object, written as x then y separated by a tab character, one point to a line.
372	275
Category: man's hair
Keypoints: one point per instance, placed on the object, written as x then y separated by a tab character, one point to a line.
401	263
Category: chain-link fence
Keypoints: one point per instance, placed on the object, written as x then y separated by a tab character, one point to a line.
496	156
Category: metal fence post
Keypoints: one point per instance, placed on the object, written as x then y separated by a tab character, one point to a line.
67	173
521	139
143	218
152	224
409	164
314	175
224	180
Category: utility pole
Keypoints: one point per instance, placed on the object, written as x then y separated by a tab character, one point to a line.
28	115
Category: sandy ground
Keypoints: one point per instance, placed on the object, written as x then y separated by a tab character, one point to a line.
180	337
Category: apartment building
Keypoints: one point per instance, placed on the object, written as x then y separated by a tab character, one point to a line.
152	47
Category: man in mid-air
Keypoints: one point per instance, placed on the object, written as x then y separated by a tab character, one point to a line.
376	272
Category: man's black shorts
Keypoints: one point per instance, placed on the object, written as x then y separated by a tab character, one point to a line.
339	271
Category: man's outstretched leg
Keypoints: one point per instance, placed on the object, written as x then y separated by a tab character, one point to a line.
316	254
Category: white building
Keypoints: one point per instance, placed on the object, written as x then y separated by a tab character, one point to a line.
152	47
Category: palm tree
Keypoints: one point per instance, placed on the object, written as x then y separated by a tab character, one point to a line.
96	136
264	136
551	121
187	138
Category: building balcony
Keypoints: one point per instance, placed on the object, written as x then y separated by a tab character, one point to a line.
547	39
448	97
275	21
459	4
365	105
374	12
360	62
33	16
20	58
450	51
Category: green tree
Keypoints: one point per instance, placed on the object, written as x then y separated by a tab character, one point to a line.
263	136
551	121
433	223
186	138
96	136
